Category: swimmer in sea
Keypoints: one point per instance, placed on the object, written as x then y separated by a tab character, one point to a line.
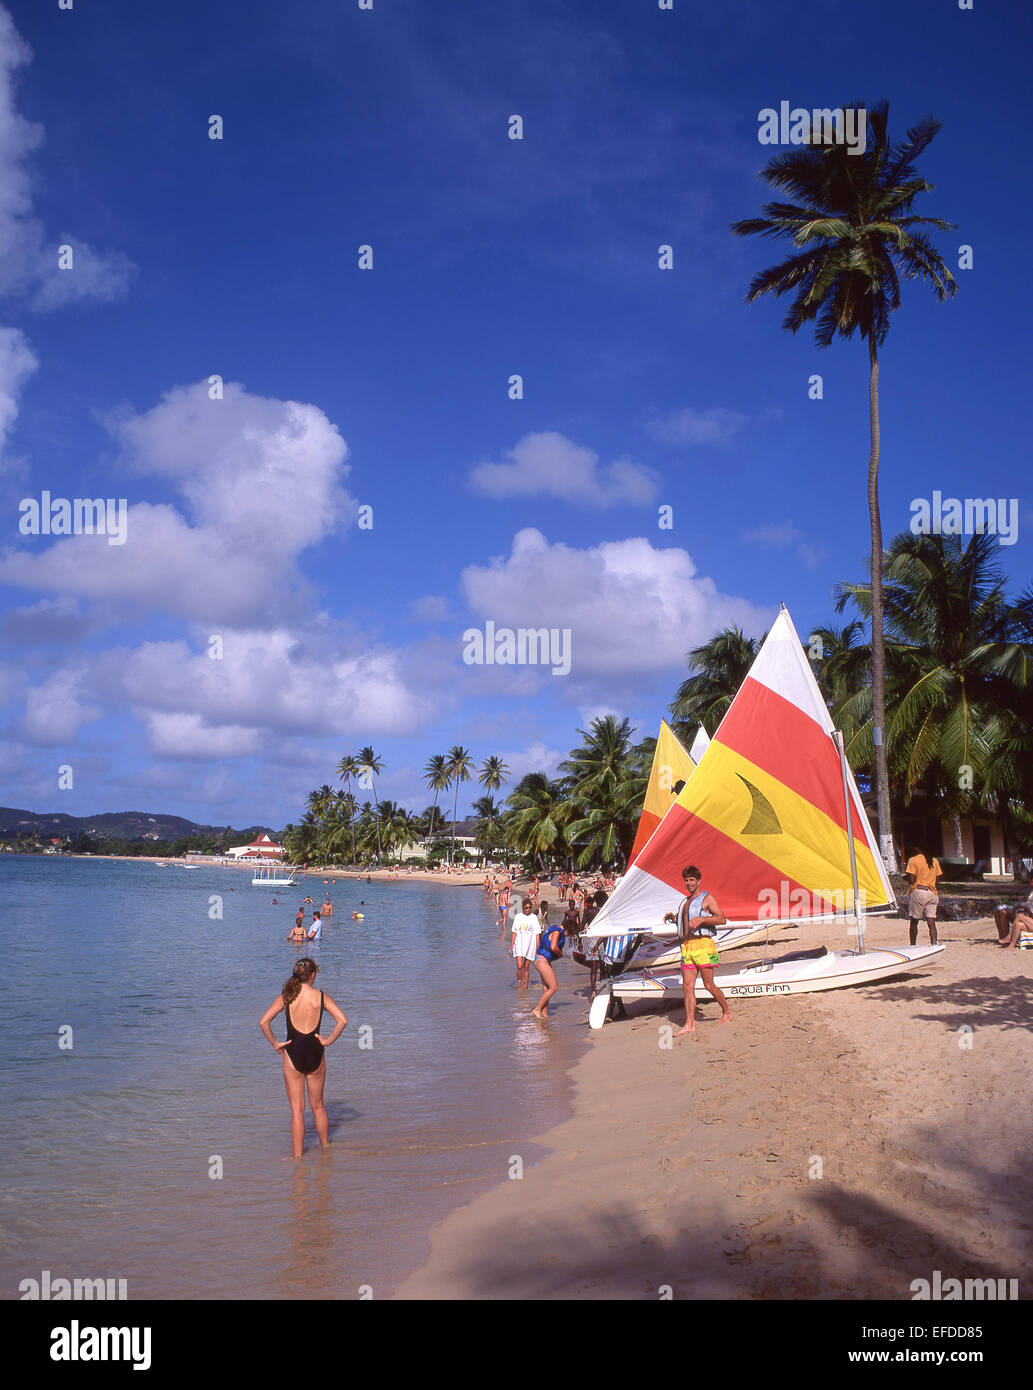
296	933
304	1051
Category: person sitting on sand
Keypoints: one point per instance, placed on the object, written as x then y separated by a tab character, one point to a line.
304	1051
550	948
1013	921
696	918
523	944
923	869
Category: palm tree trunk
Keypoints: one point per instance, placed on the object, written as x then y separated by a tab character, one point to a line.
882	781
455	808
959	849
351	817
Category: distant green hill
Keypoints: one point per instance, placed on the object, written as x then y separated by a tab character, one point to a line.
116	825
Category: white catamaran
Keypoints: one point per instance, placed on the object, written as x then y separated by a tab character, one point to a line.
279	877
773	818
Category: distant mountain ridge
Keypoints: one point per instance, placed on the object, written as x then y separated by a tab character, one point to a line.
117	825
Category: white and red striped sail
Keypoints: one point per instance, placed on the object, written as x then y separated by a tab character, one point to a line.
763	815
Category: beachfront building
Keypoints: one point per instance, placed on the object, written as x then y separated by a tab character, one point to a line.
262	848
983	846
466	839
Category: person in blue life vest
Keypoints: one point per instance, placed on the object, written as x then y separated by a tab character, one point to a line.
698	915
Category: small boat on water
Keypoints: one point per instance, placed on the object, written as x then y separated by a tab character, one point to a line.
773	818
278	877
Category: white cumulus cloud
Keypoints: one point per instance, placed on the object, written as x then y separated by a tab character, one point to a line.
629	606
17	363
549	464
260	480
28	253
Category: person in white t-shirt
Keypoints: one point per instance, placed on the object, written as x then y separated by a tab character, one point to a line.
524	942
317	927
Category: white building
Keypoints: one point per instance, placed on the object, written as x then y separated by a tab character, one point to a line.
262	848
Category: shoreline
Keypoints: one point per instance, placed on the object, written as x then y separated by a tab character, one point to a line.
827	1146
465	878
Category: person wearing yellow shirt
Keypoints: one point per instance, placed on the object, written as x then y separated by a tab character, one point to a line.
923	869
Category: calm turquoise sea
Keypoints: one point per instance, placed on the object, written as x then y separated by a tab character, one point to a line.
108	1146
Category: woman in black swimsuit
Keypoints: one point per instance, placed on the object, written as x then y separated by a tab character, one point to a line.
304	1064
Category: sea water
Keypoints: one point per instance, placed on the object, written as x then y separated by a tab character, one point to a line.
145	1122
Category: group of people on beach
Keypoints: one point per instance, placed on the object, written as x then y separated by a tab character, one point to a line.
533	938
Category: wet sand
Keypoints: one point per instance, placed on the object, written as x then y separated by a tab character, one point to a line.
827	1146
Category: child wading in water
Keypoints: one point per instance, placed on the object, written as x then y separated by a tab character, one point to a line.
524	942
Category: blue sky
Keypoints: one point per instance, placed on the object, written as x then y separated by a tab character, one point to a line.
388	388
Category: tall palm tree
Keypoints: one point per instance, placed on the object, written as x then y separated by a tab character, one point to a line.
486	811
493	772
720	665
538	814
435	774
606	789
459	766
348	768
855	234
369	767
949	649
367	830
319	800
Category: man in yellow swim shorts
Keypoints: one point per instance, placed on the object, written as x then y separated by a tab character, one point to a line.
697	917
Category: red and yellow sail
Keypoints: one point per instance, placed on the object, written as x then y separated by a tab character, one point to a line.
667	777
764	815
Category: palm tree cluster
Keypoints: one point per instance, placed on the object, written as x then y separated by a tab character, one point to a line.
378	831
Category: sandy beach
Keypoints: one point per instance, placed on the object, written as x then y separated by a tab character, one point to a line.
828	1146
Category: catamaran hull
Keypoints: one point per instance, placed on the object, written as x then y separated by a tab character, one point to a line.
803	973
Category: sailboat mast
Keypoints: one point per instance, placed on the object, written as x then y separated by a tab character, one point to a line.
858	914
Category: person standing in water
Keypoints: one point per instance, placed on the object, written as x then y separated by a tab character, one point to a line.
697	917
327	909
304	1060
550	948
524	942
